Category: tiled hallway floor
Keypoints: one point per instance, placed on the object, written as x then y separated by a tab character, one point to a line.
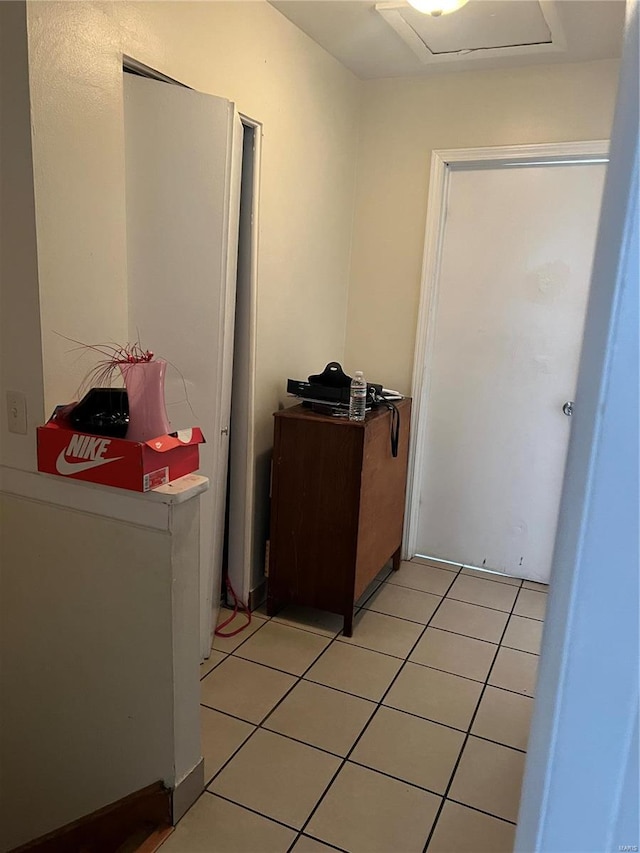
409	736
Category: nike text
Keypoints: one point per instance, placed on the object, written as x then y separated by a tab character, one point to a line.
87	447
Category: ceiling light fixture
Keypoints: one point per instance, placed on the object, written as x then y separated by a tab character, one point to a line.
435	8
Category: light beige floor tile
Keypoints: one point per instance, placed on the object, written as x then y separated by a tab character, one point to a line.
356	670
437	564
489	777
213	660
515	670
492	576
403	603
321	717
365	812
214	824
454	653
244	689
540	587
410	749
523	634
277	777
531	604
282	647
470	620
435	695
309	845
504	717
383	633
483	592
422	577
221	736
309	619
229	644
463	830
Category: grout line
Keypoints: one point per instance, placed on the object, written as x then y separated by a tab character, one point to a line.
448	671
486	606
458	634
277	705
404	619
524	651
248	637
320	841
482	811
254	811
264	665
202	677
358	739
395	778
344	759
303	742
468	735
364	699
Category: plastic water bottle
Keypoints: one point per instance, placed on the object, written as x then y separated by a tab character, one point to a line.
358	397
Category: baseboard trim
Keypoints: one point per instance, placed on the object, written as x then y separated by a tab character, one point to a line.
258	595
187	792
104	830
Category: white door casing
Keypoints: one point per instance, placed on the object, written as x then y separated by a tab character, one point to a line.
497	350
183	159
242	498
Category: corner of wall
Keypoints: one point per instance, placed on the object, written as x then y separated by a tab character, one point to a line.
20	339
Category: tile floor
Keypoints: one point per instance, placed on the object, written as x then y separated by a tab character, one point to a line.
409	736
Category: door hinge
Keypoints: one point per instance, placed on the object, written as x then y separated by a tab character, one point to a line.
267	551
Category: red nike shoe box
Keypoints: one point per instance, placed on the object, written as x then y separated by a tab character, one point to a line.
133	465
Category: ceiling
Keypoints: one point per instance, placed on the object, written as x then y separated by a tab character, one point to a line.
394	40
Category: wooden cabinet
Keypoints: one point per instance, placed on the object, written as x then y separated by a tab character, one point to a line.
337	507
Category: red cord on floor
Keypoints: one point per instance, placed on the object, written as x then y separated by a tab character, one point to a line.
236	603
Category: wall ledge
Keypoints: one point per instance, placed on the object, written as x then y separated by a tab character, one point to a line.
145	509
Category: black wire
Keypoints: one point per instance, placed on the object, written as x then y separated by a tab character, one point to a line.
395	421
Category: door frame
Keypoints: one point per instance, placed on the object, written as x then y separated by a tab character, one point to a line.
242	526
443	162
243	517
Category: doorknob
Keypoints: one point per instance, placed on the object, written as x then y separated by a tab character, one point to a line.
568	408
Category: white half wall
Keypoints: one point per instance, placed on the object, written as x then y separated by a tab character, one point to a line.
100	652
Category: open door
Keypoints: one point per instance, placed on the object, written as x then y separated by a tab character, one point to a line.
183	164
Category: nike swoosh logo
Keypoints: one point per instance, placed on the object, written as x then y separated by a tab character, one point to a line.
65	468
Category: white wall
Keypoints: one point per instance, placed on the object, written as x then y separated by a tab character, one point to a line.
580	791
87	702
20	349
246	52
402	122
90	623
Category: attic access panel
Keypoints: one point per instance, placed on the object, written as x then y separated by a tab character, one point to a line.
482	28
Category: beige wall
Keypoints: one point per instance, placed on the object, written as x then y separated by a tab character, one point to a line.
87	704
20	350
402	122
246	52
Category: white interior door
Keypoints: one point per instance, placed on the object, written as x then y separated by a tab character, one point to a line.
508	316
183	161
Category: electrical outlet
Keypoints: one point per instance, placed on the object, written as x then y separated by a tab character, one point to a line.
17	412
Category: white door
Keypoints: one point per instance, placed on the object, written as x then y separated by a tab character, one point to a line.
507	321
183	161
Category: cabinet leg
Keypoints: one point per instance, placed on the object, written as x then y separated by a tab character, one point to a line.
347	628
273	605
396	559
